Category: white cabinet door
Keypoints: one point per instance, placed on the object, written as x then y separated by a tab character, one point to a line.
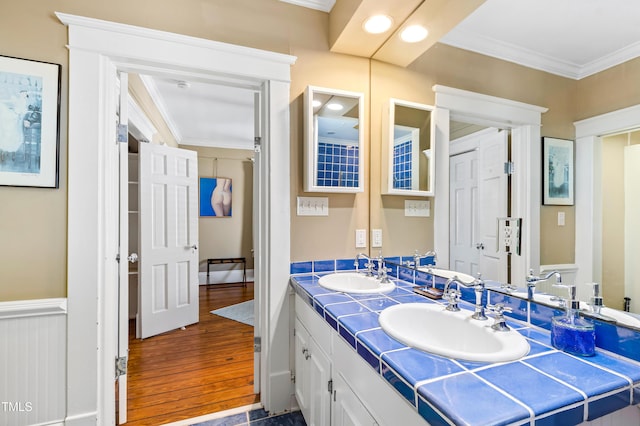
313	378
321	386
168	239
302	369
347	409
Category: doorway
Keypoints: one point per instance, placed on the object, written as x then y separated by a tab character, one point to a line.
479	199
93	189
207	366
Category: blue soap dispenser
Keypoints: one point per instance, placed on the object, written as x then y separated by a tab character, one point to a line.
570	332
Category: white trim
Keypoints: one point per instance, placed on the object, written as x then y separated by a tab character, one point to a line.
524	120
158	101
322	5
32	308
469	40
97	49
139	124
588	191
229	143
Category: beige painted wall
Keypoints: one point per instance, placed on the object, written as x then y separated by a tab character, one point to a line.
33	221
227	236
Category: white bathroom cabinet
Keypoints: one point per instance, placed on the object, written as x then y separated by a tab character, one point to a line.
334	386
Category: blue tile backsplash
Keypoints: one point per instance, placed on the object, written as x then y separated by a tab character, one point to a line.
552	387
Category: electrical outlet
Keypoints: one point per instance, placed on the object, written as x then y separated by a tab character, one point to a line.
376	238
361	238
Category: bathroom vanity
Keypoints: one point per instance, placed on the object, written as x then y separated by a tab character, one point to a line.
349	371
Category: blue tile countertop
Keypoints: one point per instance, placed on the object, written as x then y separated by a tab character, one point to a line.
552	387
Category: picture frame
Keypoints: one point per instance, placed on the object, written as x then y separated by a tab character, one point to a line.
557	172
215	197
29	122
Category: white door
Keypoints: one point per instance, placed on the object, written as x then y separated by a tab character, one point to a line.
478	197
168	188
492	203
347	409
632	225
302	370
123	264
463	191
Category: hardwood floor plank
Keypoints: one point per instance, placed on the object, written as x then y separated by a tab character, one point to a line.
205	368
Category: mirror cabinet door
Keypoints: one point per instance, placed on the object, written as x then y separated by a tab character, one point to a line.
333	120
408	166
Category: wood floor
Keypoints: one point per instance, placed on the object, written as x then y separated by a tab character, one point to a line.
206	368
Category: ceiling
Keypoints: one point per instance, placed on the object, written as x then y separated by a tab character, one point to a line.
570	38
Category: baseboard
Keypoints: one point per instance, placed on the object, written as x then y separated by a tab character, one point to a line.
224	277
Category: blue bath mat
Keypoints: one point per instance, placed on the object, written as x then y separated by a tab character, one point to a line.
241	312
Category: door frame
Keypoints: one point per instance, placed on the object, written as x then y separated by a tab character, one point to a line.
588	190
525	121
96	47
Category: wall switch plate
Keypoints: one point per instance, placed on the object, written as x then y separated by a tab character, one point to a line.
417	208
376	238
313	206
560	218
361	238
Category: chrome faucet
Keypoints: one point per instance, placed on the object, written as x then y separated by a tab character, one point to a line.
382	270
532	280
417	257
369	265
454	295
499	323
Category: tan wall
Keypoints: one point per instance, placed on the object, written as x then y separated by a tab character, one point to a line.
33	221
227	236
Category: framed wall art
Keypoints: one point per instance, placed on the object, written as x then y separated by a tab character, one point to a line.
557	172
215	197
29	122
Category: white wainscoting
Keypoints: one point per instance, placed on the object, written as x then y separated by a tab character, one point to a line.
568	272
33	340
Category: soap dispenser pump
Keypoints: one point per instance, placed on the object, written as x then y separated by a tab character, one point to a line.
570	332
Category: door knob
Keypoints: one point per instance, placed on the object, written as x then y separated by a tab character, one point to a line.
194	247
133	257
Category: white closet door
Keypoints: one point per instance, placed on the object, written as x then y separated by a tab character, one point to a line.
168	239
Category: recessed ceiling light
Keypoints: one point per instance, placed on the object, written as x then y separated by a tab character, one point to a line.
316	103
333	106
414	33
377	24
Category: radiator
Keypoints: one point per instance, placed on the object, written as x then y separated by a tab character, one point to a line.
33	343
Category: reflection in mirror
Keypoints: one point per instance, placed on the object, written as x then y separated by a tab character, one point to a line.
410	167
620	155
588	309
333	140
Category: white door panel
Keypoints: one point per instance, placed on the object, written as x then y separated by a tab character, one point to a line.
168	239
478	197
463	199
492	197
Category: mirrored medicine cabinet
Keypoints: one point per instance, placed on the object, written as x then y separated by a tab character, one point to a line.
333	123
408	166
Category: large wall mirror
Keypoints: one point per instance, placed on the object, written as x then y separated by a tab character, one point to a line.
408	166
333	140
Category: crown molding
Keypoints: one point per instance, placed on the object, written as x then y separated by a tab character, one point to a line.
323	5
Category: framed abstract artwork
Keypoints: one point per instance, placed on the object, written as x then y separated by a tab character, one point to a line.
29	122
215	197
557	172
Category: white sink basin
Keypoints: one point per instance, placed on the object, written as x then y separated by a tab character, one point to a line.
621	317
431	328
354	282
445	273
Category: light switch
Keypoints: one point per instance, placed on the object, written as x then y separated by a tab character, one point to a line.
376	238
560	218
361	238
313	206
417	208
